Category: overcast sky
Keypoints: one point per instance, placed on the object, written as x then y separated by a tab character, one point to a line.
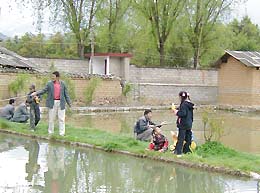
15	21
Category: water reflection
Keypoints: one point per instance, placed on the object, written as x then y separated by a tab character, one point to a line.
242	130
60	169
55	175
32	166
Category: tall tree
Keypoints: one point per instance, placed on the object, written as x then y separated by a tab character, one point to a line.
246	35
161	14
115	13
77	15
202	17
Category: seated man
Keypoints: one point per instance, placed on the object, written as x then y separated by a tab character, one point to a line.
8	111
159	141
21	114
144	126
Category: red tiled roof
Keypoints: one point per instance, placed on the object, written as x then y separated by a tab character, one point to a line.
121	55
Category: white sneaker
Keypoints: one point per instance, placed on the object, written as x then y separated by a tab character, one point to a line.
178	156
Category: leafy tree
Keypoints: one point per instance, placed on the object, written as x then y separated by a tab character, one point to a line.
245	35
113	12
202	18
76	15
161	14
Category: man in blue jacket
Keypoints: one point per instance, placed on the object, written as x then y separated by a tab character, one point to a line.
56	99
8	111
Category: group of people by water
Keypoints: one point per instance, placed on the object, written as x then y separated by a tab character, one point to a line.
146	130
57	96
21	114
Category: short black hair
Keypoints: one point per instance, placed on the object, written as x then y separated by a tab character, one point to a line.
11	101
56	73
147	111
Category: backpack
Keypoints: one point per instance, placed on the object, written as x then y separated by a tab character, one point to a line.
136	127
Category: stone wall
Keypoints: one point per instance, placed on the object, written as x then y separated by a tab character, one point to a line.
173	76
63	65
162	85
107	92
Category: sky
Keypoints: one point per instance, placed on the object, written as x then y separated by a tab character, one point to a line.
15	21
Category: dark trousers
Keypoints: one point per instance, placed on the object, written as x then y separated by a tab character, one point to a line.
34	115
183	135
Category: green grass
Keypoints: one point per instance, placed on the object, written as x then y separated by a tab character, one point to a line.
211	153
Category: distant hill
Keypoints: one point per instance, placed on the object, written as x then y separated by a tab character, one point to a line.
3	37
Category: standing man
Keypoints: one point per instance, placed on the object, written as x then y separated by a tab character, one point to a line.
35	114
56	99
8	110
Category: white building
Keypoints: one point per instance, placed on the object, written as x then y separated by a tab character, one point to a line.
110	63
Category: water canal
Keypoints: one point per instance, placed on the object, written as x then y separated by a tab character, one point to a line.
241	130
37	166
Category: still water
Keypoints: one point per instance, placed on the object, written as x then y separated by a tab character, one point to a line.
241	130
31	166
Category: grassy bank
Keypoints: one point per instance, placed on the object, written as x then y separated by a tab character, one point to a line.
210	156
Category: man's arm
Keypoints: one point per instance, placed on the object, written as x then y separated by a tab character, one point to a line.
41	92
182	112
66	95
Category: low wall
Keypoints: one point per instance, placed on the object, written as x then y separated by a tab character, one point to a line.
165	94
107	92
63	65
173	76
160	86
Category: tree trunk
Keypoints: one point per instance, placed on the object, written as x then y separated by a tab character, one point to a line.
81	50
196	58
110	37
162	56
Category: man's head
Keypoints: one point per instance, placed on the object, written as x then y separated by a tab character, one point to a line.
148	113
55	76
11	101
32	88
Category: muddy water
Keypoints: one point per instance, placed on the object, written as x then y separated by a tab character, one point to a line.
36	166
241	130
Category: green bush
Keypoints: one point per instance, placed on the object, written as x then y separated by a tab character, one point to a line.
127	88
212	128
89	92
19	84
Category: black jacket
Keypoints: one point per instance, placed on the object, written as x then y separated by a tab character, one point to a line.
185	115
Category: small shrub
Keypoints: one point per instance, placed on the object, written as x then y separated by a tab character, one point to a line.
89	92
212	128
19	84
127	88
211	148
